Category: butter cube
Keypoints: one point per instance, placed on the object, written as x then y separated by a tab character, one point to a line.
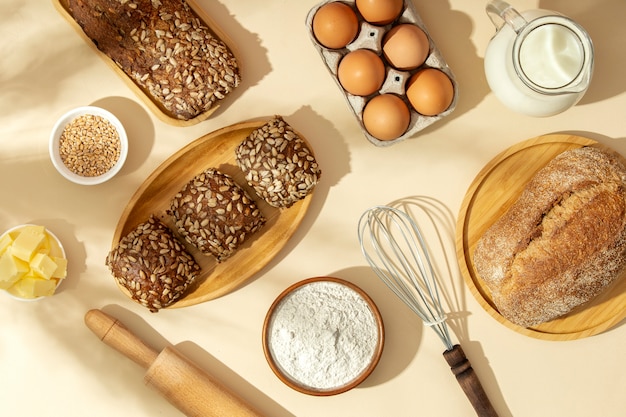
5	243
54	247
30	239
33	287
61	271
11	269
43	266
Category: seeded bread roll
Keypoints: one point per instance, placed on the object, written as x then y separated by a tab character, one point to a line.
278	163
164	48
152	265
561	243
215	214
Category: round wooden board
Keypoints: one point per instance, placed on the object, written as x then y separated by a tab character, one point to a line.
496	187
214	150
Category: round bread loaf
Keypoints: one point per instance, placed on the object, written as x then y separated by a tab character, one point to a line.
278	163
152	265
215	214
561	243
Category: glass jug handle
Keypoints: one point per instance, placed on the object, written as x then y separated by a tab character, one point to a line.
501	12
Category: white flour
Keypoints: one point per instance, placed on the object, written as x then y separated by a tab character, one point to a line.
323	335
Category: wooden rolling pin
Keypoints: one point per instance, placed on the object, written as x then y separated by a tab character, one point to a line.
181	382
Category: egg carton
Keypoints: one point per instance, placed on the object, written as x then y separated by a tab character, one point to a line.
371	37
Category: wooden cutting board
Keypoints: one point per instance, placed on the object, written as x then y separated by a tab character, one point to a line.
489	196
214	150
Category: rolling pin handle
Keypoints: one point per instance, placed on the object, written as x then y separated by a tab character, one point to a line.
113	332
467	378
179	380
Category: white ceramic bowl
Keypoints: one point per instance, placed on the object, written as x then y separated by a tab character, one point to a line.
56	249
56	135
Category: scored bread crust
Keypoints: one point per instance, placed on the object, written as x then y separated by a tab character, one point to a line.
561	243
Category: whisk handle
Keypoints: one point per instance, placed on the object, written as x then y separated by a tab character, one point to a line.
467	378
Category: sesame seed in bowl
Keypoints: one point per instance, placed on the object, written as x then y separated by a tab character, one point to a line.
88	145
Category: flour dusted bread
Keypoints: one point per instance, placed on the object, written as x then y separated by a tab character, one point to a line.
561	243
164	48
213	213
152	265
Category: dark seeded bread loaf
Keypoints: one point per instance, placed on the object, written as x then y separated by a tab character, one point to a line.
278	163
152	265
213	213
163	47
561	243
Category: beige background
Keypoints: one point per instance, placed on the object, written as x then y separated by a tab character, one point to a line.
51	365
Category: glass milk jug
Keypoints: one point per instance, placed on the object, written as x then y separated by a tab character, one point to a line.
539	62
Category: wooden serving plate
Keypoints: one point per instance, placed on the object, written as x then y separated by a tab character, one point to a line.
161	112
214	150
496	187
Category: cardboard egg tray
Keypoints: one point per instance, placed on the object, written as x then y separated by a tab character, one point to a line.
371	37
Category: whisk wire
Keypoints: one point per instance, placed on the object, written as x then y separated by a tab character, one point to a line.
394	247
403	263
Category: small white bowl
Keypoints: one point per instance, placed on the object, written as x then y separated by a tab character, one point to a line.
57	250
56	135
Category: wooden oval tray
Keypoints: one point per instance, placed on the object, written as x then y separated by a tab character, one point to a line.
496	187
214	150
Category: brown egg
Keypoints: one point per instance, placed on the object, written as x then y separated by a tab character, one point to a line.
386	117
430	91
380	12
361	72
335	25
406	46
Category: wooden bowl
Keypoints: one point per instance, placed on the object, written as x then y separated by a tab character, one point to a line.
323	336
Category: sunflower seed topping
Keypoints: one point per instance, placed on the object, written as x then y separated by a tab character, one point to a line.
152	265
278	164
215	214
